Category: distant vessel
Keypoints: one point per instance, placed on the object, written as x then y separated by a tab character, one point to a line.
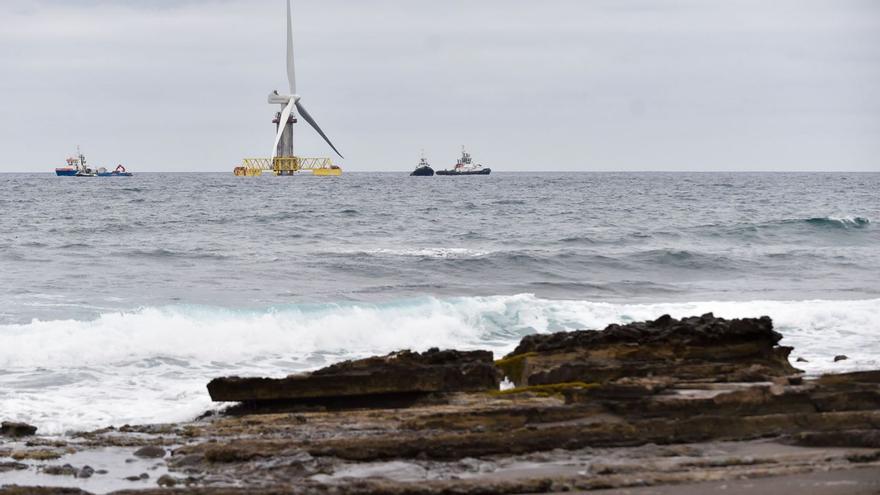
118	172
465	166
76	167
69	171
424	169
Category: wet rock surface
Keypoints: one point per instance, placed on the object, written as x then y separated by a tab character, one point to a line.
661	404
12	466
65	470
16	430
369	382
150	452
696	348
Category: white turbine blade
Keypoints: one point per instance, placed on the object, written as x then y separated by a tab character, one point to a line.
305	114
282	124
291	71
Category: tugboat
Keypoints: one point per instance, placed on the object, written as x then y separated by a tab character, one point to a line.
465	166
424	169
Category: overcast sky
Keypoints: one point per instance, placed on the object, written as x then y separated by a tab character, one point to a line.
181	85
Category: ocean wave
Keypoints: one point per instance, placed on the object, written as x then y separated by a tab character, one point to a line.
683	259
167	253
203	333
578	239
839	222
426	252
774	230
152	364
75	245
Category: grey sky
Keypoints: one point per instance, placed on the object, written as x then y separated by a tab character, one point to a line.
528	85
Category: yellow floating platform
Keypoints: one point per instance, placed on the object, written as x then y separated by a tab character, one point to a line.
247	172
327	171
287	165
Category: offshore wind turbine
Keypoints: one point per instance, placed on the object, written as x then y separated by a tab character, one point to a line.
291	105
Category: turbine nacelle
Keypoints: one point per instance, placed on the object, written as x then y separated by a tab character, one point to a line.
283	100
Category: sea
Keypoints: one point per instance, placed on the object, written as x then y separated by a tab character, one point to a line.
120	298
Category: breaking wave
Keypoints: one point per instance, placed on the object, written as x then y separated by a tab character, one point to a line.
152	364
840	223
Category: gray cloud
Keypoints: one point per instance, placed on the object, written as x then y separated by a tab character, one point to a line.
555	85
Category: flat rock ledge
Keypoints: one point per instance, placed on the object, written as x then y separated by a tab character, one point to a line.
403	373
695	348
670	406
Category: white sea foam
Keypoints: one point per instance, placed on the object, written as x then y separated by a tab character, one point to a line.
431	252
151	365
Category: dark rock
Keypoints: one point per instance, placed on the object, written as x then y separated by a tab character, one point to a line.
85	472
150	452
40	490
577	435
12	466
695	348
855	377
840	357
17	430
852	397
166	481
186	460
706	330
141	477
65	470
396	374
869	457
865	438
623	389
795	379
801	360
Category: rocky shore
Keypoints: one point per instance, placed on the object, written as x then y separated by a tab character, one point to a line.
662	406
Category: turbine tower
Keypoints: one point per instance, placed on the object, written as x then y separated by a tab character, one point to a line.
291	105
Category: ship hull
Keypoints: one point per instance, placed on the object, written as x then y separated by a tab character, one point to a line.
484	171
422	172
64	172
114	174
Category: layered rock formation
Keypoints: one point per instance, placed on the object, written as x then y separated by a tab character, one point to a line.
696	348
663	402
382	379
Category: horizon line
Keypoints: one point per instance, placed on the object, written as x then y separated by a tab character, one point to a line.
607	171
